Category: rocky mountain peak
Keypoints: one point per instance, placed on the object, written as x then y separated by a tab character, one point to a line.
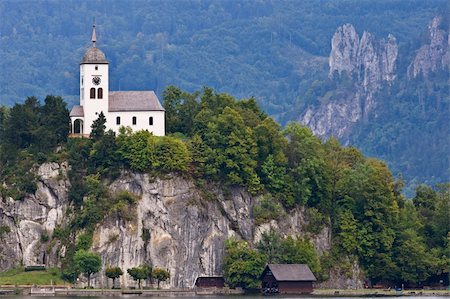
344	53
370	60
434	54
370	63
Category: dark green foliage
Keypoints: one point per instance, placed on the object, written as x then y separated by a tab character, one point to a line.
310	179
98	127
266	210
289	250
87	263
181	108
242	265
171	155
113	273
54	121
104	156
137	149
29	132
160	275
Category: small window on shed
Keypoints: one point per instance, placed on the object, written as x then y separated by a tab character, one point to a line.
100	93
134	120
92	93
118	120
150	120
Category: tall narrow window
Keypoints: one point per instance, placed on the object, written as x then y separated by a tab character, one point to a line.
96	67
100	93
118	120
134	120
92	93
150	120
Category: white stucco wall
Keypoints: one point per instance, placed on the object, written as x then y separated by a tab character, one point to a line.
142	121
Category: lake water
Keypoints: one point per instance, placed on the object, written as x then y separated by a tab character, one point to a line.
219	297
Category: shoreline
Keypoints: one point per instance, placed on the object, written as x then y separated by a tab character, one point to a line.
65	291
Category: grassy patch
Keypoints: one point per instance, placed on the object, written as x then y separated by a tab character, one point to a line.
18	276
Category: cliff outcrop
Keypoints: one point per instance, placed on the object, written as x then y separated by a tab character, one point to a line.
367	64
175	226
434	54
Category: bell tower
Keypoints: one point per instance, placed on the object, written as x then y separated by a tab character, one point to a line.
94	84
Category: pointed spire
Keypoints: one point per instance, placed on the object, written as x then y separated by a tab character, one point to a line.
94	36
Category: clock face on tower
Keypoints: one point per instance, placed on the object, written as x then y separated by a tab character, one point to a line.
96	80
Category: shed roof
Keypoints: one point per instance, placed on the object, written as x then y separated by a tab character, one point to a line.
290	272
77	111
133	101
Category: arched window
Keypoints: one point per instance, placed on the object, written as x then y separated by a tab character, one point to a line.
92	93
118	120
150	120
134	120
100	93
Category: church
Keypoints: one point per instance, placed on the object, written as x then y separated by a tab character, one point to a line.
139	110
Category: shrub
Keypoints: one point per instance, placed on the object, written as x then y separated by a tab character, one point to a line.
267	209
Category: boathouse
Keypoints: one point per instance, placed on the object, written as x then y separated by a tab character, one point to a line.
287	279
204	282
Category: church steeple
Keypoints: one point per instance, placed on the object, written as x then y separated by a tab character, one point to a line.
94	36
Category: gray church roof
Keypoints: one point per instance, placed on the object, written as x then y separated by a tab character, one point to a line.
77	111
133	101
291	272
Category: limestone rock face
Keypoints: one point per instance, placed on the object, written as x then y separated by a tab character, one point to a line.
176	225
434	54
344	54
176	229
368	64
31	219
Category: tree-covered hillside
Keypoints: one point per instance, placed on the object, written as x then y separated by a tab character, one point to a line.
233	144
275	51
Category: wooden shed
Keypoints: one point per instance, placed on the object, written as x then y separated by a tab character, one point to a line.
210	282
287	279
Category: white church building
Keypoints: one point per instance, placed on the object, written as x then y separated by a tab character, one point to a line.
140	110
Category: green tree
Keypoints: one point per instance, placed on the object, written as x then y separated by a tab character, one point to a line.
234	146
87	263
270	246
104	156
181	108
415	263
113	273
242	265
266	209
309	173
54	122
98	127
137	149
22	125
368	191
138	273
299	251
171	154
160	275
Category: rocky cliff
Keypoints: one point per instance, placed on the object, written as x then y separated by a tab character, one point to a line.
367	64
173	227
434	54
